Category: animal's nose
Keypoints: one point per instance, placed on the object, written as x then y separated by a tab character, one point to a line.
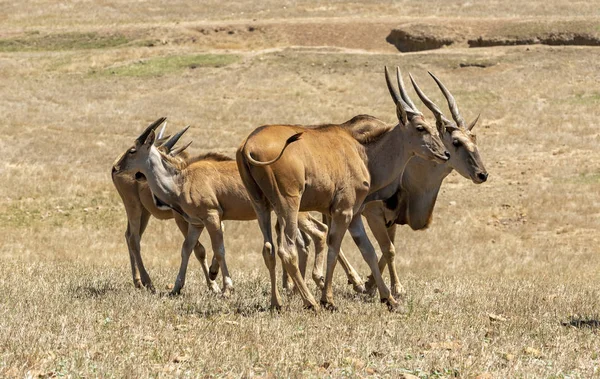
447	154
114	169
482	176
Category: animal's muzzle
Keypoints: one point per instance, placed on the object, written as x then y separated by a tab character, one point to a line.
482	176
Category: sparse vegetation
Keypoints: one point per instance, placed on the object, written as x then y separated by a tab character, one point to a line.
61	41
504	282
171	64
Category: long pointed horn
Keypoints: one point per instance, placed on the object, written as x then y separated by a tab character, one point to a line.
472	124
142	138
403	92
173	140
180	149
439	116
396	96
451	102
391	88
162	131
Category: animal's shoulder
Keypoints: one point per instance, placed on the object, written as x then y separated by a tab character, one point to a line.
214	157
366	129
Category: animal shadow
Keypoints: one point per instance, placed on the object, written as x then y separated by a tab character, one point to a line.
93	290
580	322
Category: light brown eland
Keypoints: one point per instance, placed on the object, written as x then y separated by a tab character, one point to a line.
204	191
139	205
332	169
415	199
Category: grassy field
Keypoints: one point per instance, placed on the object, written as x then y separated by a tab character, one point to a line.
503	284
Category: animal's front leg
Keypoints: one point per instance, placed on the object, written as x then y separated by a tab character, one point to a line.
357	230
186	250
200	253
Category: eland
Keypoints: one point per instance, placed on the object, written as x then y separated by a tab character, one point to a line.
333	169
420	183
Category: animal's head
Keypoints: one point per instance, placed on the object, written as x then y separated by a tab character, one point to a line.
456	135
135	158
421	138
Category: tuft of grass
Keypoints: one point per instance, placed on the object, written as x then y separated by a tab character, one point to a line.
167	65
62	41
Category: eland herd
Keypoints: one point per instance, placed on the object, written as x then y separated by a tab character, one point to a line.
390	174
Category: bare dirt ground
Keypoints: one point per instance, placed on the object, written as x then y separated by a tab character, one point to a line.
504	283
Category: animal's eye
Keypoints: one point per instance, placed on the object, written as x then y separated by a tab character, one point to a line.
132	150
456	142
420	128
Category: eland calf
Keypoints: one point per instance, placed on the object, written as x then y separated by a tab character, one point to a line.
139	206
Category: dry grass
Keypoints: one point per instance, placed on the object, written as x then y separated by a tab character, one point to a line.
523	247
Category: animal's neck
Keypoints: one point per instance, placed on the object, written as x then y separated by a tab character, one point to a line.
422	174
387	159
421	182
162	177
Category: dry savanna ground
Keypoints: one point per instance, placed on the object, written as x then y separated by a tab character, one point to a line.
503	284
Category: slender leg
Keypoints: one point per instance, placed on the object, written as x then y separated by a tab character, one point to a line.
285	280
352	275
186	250
357	230
317	231
288	220
339	224
263	214
200	253
213	225
385	239
320	246
136	225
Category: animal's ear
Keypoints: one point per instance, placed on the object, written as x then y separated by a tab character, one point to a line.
150	139
472	124
401	113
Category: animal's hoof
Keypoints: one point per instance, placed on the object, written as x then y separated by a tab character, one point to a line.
399	292
275	308
393	306
329	306
359	288
214	288
149	287
174	293
227	292
312	307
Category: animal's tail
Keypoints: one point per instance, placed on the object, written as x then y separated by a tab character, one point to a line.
254	162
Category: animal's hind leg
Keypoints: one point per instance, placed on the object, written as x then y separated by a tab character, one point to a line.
200	253
287	216
353	276
337	228
213	225
263	214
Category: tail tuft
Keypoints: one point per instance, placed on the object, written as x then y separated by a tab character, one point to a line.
293	138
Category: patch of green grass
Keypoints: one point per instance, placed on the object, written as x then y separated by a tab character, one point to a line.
586	98
62	41
171	64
